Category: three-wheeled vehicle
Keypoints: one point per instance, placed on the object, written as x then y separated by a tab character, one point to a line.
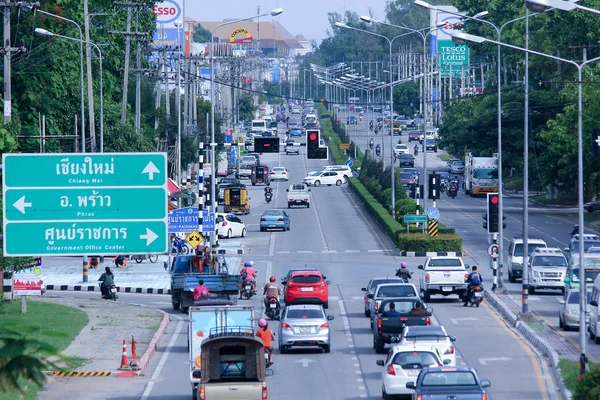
260	174
236	200
233	358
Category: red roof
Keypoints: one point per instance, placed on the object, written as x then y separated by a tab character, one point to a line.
172	187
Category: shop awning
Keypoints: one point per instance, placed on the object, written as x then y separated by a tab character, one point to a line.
172	187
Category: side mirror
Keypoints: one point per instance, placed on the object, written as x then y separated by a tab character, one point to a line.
567	281
561	301
566	249
594	303
328	282
447	362
370	296
452	338
429	310
381	363
420	267
287	190
410	385
330	318
485	383
269	372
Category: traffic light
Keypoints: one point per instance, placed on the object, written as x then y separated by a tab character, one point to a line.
434	187
313	150
266	145
493	213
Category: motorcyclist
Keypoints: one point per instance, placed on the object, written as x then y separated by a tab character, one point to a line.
371	125
575	230
265	334
416	149
268	192
474	279
371	143
271	289
378	148
107	279
248	273
403	272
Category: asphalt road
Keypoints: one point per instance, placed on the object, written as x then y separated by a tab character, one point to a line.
337	237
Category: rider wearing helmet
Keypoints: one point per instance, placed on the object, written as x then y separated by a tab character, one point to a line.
265	334
403	272
271	289
575	230
249	272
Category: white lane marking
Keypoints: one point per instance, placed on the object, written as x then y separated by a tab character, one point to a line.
314	207
271	244
350	339
162	361
282	252
352	251
305	251
376	251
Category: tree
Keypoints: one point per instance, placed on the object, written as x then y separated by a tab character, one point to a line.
246	107
201	35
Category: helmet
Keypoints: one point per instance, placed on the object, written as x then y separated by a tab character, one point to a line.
262	322
249	264
272	279
403	264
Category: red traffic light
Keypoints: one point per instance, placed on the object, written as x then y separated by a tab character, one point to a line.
312	136
494	200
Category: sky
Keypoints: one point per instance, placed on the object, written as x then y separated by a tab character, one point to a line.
307	17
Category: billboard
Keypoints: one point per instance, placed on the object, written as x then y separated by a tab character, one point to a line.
276	72
28	280
452	59
240	36
167	12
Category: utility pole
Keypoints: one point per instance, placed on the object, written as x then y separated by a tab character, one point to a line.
90	82
126	70
7	66
138	88
166	82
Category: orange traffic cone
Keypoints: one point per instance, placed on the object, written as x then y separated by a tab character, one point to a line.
124	362
134	364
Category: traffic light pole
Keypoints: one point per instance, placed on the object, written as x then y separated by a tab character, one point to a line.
495	264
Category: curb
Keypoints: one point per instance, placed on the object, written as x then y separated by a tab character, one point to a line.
533	338
96	288
230	251
431	253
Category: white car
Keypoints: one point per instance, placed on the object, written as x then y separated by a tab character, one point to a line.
403	364
401	149
229	225
280	174
431	335
324	178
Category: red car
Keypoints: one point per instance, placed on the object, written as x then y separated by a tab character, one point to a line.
307	287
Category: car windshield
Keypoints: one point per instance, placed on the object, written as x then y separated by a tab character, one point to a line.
459	164
574	297
590	275
485	173
376	282
445	262
306	279
275	213
454	378
403	307
549	261
406	176
303	314
412	359
530	246
406	156
278	169
396	291
586	245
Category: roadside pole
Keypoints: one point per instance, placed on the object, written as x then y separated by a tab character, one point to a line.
495	263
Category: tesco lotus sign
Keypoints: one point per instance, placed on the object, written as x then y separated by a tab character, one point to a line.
167	11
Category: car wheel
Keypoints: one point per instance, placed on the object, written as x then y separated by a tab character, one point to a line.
289	205
229	234
384	395
367	313
326	305
597	340
317	183
338	183
326	348
531	290
379	346
426	296
263	229
511	278
282	349
243	232
560	323
307	205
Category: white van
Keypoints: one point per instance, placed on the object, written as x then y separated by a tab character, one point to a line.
260	125
593	311
515	255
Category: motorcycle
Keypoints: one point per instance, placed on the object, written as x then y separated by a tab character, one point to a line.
371	145
179	246
404	276
378	151
476	296
452	192
110	293
268	197
247	286
273	310
416	151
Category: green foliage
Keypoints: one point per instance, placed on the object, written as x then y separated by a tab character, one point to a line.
246	107
406	98
421	242
588	386
201	35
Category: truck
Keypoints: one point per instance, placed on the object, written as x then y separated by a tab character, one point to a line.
481	175
387	330
184	279
207	321
443	275
298	194
385	291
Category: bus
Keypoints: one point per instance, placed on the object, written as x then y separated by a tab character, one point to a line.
592	270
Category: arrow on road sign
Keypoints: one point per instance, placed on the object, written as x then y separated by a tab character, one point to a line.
149	236
455	320
21	204
150	170
305	362
484	361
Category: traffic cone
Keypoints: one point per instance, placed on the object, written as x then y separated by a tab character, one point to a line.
134	362
124	362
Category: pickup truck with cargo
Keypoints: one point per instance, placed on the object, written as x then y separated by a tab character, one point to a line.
481	175
443	275
387	330
298	195
184	279
443	383
245	170
387	291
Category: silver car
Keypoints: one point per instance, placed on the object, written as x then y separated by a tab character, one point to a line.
304	326
568	314
457	167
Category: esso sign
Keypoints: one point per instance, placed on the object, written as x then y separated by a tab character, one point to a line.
167	11
449	23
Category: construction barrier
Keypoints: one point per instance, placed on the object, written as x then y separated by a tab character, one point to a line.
78	374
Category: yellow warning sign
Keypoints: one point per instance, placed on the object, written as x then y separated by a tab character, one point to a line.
194	239
344	146
432	228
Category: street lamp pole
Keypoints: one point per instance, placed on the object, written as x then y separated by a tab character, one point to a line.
178	25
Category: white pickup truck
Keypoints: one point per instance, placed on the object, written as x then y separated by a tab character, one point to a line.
298	194
443	275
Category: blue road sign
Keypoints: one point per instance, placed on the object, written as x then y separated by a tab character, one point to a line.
184	220
433	213
208	222
349	163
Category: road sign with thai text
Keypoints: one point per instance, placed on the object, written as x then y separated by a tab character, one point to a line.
81	204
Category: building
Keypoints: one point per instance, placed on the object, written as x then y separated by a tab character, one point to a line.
306	48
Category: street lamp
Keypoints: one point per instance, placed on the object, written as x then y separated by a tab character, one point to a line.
273	13
582	305
178	24
45	32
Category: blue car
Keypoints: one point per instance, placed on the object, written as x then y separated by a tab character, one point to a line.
295	133
274	219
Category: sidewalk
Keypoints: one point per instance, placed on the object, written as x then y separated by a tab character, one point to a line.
66	273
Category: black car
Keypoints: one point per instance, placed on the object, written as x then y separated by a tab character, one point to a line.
431	145
351	120
406	160
592	206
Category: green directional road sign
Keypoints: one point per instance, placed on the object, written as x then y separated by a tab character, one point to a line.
84	204
452	58
412	218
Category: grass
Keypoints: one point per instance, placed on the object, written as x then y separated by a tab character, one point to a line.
55	324
561	200
569	372
445	157
593	218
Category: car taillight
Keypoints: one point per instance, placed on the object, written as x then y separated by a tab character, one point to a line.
477	288
376	307
280	220
419	397
224	223
265	393
427	276
263	220
427	321
484	396
466	276
325	325
283	173
285	326
390	370
379	322
450	350
202	393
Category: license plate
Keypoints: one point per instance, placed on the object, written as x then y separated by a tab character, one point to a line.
248	287
273	305
305	329
113	290
478	295
272	225
447	289
412	372
306	289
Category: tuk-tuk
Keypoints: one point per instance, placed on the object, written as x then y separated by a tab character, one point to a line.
260	174
235	200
